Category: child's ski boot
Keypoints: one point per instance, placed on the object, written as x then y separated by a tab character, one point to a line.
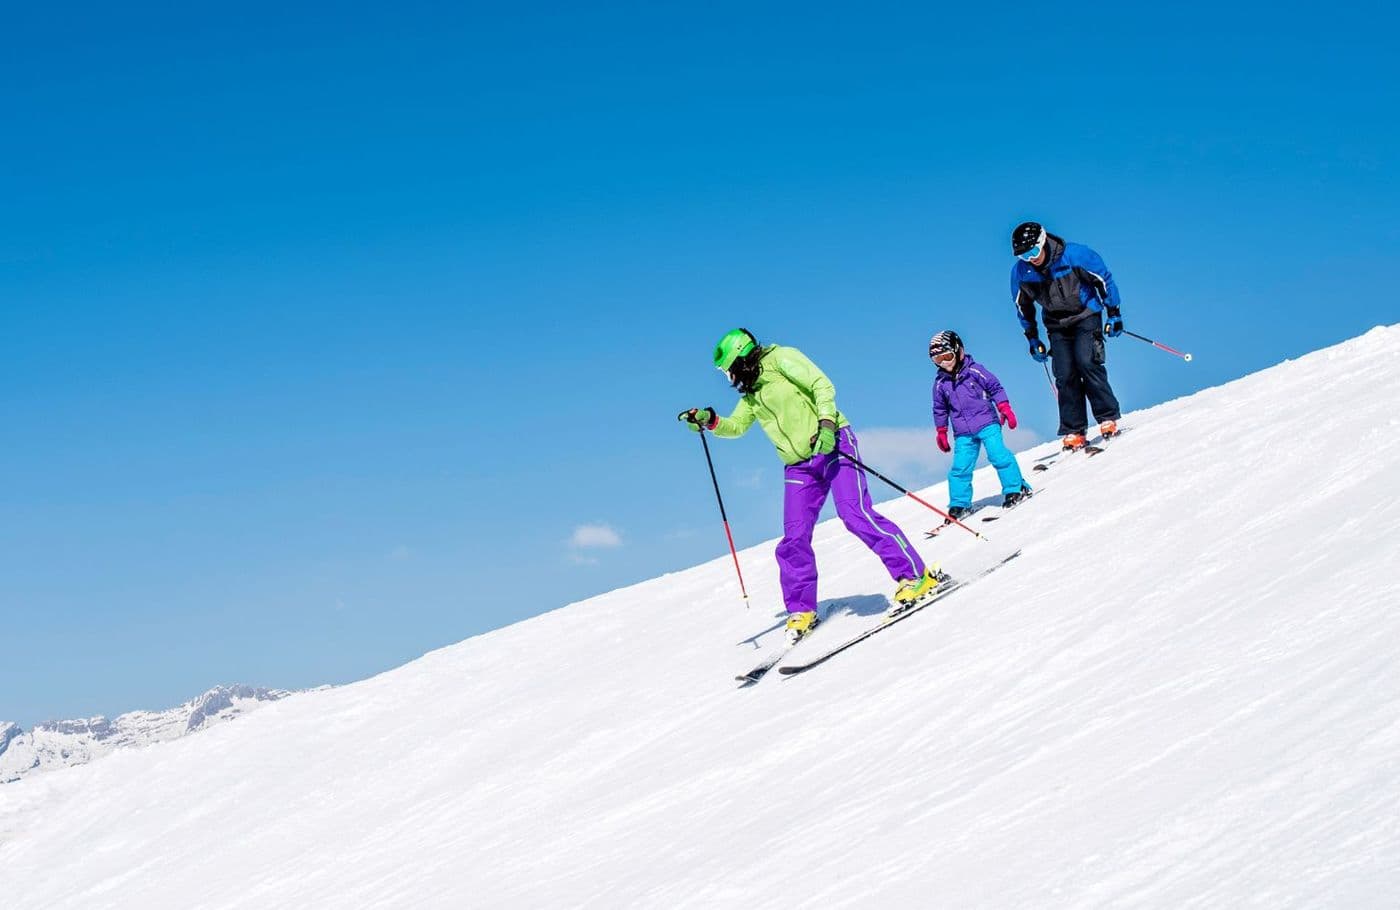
1013	499
954	513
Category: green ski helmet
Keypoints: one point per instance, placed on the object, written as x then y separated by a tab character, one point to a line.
736	343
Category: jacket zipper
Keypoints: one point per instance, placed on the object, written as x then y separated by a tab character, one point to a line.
777	423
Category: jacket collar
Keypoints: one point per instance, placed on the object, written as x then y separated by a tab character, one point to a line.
1055	248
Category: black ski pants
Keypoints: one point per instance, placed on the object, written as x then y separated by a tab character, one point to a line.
1077	353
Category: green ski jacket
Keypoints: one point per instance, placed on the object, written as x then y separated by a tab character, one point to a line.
788	399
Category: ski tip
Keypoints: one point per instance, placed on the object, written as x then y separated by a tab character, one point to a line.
788	671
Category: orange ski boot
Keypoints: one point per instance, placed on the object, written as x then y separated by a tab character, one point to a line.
1073	442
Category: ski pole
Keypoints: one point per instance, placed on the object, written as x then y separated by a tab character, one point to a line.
724	517
1054	389
923	502
1158	344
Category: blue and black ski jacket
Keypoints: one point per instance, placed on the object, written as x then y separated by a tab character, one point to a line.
1073	283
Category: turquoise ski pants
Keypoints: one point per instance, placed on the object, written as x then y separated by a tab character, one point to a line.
965	452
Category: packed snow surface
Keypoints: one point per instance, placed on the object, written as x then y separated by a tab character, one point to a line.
1185	693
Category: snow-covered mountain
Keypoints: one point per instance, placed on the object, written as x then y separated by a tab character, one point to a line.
63	743
1185	693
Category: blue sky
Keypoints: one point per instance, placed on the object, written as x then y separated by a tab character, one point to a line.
332	334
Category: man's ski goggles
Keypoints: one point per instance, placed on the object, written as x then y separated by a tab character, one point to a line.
1035	251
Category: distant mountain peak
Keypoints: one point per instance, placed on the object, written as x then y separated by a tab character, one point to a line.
63	743
8	733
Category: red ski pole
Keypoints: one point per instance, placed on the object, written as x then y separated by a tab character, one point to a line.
1157	344
725	518
857	462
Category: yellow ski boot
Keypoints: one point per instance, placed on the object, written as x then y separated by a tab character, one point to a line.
800	625
913	590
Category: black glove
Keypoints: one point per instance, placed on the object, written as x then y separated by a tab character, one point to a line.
1113	325
698	418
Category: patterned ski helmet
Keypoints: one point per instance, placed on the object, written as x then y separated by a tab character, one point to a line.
944	342
1027	235
736	343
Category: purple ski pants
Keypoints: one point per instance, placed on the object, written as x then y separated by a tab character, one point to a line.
805	487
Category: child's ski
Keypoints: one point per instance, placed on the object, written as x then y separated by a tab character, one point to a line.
934	532
1004	509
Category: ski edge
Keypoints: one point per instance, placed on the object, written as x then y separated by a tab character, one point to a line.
794	669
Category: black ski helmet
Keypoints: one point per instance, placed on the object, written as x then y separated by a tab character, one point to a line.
1026	236
943	342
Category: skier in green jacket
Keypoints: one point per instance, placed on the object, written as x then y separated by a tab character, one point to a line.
795	404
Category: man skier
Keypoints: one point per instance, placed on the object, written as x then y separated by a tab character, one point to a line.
795	404
1075	292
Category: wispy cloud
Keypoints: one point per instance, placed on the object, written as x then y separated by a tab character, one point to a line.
911	457
753	480
589	538
594	537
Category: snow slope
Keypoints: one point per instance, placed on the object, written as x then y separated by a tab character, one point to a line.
1185	693
64	743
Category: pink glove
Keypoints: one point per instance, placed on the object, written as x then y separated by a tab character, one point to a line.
943	439
1008	416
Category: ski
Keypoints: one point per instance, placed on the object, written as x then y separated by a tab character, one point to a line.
944	591
1089	451
758	672
934	532
1004	509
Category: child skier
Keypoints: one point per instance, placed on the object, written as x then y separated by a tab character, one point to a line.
795	404
967	392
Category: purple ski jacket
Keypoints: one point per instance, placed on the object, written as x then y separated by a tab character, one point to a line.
969	395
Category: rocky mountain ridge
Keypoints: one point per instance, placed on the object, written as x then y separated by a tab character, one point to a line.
64	743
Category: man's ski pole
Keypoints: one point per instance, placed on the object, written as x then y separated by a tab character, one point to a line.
864	467
1157	344
1054	389
724	517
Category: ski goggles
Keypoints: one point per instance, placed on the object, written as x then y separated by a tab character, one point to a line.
945	357
1035	251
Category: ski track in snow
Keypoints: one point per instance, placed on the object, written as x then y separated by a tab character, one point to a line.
1185	693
